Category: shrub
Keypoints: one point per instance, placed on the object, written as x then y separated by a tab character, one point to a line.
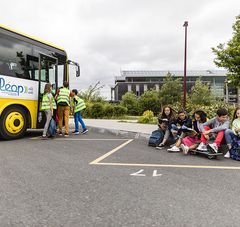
130	101
147	117
212	109
149	100
97	110
119	110
108	110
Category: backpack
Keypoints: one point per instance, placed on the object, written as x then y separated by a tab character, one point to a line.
52	129
155	138
235	150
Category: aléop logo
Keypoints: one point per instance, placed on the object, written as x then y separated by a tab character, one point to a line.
13	89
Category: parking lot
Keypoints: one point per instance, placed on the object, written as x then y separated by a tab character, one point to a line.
104	180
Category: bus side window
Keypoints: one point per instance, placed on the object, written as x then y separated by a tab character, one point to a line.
4	69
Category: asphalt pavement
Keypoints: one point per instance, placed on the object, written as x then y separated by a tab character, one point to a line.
101	179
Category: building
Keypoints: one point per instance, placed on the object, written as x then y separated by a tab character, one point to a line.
140	81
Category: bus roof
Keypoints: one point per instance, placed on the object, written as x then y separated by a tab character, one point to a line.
30	37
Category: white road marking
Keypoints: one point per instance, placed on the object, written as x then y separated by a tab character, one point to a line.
138	173
96	161
155	174
168	166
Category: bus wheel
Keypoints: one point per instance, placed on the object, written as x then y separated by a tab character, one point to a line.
13	123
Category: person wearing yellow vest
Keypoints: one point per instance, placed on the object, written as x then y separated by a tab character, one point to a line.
47	107
78	106
63	103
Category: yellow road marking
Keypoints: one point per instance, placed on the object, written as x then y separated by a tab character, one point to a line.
166	166
110	152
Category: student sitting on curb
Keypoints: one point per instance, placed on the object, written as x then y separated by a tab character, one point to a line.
163	125
192	141
215	127
180	128
234	133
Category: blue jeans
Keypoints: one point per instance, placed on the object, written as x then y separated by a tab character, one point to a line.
230	136
78	118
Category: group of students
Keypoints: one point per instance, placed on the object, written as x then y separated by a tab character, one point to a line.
58	106
196	132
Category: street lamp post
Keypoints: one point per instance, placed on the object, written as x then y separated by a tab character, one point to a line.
185	67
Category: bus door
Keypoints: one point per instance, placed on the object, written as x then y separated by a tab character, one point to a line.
48	73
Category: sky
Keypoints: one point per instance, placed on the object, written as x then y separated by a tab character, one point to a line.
107	36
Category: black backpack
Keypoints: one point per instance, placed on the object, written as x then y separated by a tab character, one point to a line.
155	138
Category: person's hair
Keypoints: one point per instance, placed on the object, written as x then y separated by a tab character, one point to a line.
75	91
65	84
235	113
171	114
222	112
182	111
202	114
47	88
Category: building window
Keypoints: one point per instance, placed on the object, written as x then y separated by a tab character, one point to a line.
129	87
145	87
137	90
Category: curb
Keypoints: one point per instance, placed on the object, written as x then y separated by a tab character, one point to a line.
125	134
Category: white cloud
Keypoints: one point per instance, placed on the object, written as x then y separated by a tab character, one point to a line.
107	35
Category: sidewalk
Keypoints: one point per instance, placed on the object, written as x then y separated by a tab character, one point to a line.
118	127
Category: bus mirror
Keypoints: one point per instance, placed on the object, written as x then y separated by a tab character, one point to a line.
76	65
78	71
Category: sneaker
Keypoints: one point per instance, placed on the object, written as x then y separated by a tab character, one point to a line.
202	147
66	135
173	149
60	134
160	146
84	131
227	155
184	148
214	147
44	137
76	132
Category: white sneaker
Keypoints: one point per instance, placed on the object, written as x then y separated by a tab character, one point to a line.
184	148
202	147
173	149
214	147
227	155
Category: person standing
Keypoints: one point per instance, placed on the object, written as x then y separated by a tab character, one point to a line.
47	107
63	102
78	106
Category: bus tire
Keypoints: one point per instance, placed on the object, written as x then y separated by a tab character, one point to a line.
13	123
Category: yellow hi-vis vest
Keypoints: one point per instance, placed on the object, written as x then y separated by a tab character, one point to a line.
45	102
54	104
80	105
63	96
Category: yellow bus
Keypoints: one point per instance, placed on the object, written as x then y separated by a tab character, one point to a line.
26	65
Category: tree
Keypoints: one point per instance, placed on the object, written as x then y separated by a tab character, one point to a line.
130	101
92	94
201	94
171	91
149	100
228	56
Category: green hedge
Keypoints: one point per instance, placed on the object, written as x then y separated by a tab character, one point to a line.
103	110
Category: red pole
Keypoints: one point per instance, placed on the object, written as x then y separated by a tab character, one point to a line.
185	67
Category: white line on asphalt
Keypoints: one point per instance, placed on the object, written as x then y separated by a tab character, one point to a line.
166	166
110	152
56	139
